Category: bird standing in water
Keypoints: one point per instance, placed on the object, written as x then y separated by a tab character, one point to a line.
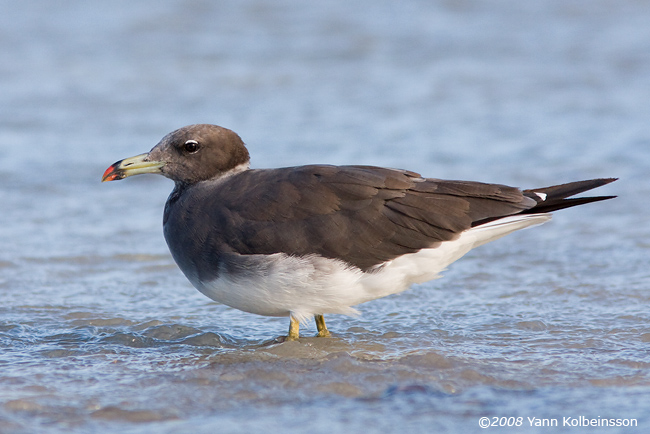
312	240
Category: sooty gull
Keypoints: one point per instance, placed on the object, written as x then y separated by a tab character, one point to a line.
313	240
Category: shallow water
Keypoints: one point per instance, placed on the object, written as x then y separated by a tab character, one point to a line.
99	330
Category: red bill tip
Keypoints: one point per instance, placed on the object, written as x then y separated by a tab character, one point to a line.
110	174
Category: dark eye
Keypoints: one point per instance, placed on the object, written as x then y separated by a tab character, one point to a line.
191	146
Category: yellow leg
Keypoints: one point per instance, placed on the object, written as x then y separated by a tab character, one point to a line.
322	328
294	327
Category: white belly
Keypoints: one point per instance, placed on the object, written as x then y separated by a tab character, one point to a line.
285	285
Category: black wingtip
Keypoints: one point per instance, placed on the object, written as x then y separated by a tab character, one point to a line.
555	197
563	191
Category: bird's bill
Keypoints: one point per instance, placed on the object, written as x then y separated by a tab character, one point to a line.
132	166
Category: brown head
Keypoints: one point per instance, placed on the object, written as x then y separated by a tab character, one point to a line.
188	155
